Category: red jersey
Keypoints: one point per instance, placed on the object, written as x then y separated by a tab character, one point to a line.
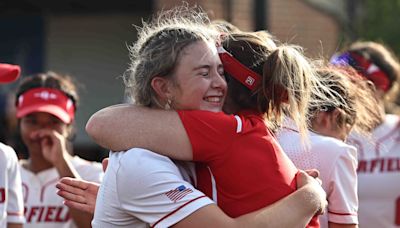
240	164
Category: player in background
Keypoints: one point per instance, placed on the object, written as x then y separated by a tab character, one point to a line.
173	55
378	155
327	150
223	142
11	201
45	106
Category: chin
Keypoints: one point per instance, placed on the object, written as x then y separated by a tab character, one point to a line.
211	108
214	109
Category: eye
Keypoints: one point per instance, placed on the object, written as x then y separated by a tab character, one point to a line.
29	121
221	72
204	73
56	121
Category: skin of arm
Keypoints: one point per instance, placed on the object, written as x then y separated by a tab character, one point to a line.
14	225
152	129
337	225
308	200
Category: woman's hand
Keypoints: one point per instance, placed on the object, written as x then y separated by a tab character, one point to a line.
309	179
78	194
54	148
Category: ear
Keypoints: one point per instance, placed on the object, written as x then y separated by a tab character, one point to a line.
334	118
321	121
71	132
162	87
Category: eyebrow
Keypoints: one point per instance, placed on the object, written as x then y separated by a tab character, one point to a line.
207	66
201	67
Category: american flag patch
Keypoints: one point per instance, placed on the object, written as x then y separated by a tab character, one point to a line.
178	193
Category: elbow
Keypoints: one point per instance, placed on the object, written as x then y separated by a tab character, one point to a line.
93	127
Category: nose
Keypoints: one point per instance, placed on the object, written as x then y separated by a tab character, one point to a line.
218	81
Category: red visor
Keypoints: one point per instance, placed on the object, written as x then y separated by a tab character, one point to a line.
9	73
240	72
47	100
372	72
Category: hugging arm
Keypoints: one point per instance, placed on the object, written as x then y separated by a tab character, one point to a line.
121	127
295	210
301	205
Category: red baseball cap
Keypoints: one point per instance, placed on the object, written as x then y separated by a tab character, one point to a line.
47	100
9	73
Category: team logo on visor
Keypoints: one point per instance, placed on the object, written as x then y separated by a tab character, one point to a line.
250	80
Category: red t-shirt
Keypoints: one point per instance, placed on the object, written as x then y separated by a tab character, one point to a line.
240	164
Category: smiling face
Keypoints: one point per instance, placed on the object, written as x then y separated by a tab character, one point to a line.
199	81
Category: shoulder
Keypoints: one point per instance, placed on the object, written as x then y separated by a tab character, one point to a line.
7	154
391	122
203	115
88	170
79	162
332	146
143	169
197	122
142	160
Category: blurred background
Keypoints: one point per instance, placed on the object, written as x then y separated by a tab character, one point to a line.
88	40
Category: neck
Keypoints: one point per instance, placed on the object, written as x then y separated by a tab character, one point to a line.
382	112
36	165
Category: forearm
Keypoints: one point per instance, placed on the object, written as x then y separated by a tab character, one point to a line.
104	127
14	225
81	218
337	225
66	169
295	210
122	127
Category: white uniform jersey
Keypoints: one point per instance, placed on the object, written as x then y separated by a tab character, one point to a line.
11	202
337	164
43	207
379	175
143	189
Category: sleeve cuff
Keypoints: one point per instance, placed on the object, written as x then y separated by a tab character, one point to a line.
342	218
182	212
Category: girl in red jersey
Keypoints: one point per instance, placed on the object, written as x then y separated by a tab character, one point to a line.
240	164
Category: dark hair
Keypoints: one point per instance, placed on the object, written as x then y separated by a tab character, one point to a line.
250	50
50	79
288	78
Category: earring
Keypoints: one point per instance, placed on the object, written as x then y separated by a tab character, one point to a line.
168	104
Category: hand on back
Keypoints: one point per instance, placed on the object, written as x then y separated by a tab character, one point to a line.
309	178
78	194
